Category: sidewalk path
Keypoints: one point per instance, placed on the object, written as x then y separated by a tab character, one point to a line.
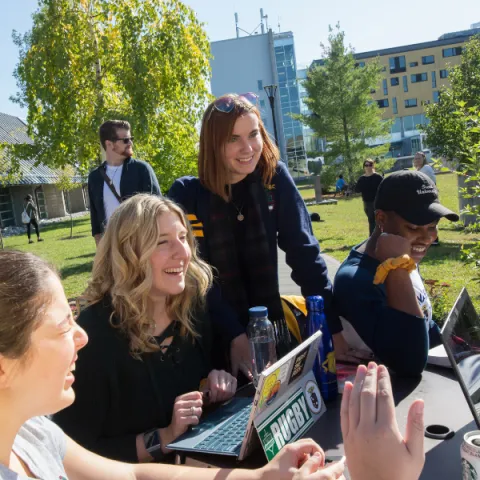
287	285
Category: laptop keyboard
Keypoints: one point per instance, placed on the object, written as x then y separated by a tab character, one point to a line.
230	435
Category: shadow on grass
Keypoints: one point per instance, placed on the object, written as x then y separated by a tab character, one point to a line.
74	237
66	272
343	248
86	255
445	250
80	221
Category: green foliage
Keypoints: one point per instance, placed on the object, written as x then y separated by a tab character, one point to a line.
329	176
384	165
83	62
446	131
439	299
341	106
9	170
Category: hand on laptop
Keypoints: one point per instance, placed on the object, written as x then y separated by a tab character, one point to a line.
301	460
241	356
220	385
374	446
186	411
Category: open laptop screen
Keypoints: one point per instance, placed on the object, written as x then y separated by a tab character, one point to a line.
461	337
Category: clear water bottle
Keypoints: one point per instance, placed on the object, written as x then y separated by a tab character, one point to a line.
262	340
324	367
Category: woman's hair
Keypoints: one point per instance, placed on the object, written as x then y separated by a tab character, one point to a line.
28	198
217	128
424	158
123	271
24	292
369	160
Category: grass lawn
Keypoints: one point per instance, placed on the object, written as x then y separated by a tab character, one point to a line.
72	257
345	225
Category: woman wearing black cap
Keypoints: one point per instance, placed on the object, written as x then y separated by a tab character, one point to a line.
378	290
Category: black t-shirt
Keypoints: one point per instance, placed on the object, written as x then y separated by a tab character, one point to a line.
368	185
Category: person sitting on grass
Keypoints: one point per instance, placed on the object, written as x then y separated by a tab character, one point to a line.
340	186
40	345
146	371
378	291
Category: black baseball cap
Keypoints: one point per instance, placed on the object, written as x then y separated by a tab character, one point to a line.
413	196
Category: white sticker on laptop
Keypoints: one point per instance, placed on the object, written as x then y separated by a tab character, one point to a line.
285	425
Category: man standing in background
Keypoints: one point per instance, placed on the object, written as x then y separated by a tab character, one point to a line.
119	177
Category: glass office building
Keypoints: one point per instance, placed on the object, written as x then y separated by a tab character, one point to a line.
290	102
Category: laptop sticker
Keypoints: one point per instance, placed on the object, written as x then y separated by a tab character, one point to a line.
299	364
314	399
272	385
285	425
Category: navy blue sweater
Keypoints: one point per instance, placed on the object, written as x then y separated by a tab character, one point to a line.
401	341
286	221
137	177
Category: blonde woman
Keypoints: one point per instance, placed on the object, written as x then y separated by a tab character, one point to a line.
138	379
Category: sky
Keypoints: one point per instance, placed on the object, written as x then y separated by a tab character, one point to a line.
368	25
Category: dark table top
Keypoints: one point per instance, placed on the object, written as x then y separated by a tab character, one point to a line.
444	405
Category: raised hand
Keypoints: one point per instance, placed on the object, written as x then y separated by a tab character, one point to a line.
374	446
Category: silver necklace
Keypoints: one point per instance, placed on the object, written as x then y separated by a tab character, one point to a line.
240	216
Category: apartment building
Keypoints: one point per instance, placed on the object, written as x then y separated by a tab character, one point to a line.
412	78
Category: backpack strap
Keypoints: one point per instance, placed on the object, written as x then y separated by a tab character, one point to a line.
109	183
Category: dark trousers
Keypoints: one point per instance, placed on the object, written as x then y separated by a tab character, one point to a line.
35	224
369	210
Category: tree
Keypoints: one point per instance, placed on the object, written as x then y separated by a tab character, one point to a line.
341	106
65	183
447	131
9	173
86	61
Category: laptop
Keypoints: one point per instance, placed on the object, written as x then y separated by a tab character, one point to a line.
461	339
288	383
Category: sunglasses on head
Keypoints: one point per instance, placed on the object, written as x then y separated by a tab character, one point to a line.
125	140
227	104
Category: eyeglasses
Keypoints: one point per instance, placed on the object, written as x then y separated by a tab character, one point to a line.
125	140
368	165
227	104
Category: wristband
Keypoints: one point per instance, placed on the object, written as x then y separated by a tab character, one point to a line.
405	261
153	444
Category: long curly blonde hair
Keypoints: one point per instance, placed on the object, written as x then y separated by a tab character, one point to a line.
123	271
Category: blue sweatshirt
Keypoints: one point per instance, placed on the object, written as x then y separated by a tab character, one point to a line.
286	221
401	341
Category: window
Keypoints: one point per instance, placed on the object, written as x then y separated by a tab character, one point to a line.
394	105
385	88
260	85
452	52
262	103
397	64
410	102
413	64
418	77
405	83
427	60
434	79
360	64
383	103
443	73
425	102
436	96
394	81
372	91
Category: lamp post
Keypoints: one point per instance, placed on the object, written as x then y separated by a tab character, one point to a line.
270	90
